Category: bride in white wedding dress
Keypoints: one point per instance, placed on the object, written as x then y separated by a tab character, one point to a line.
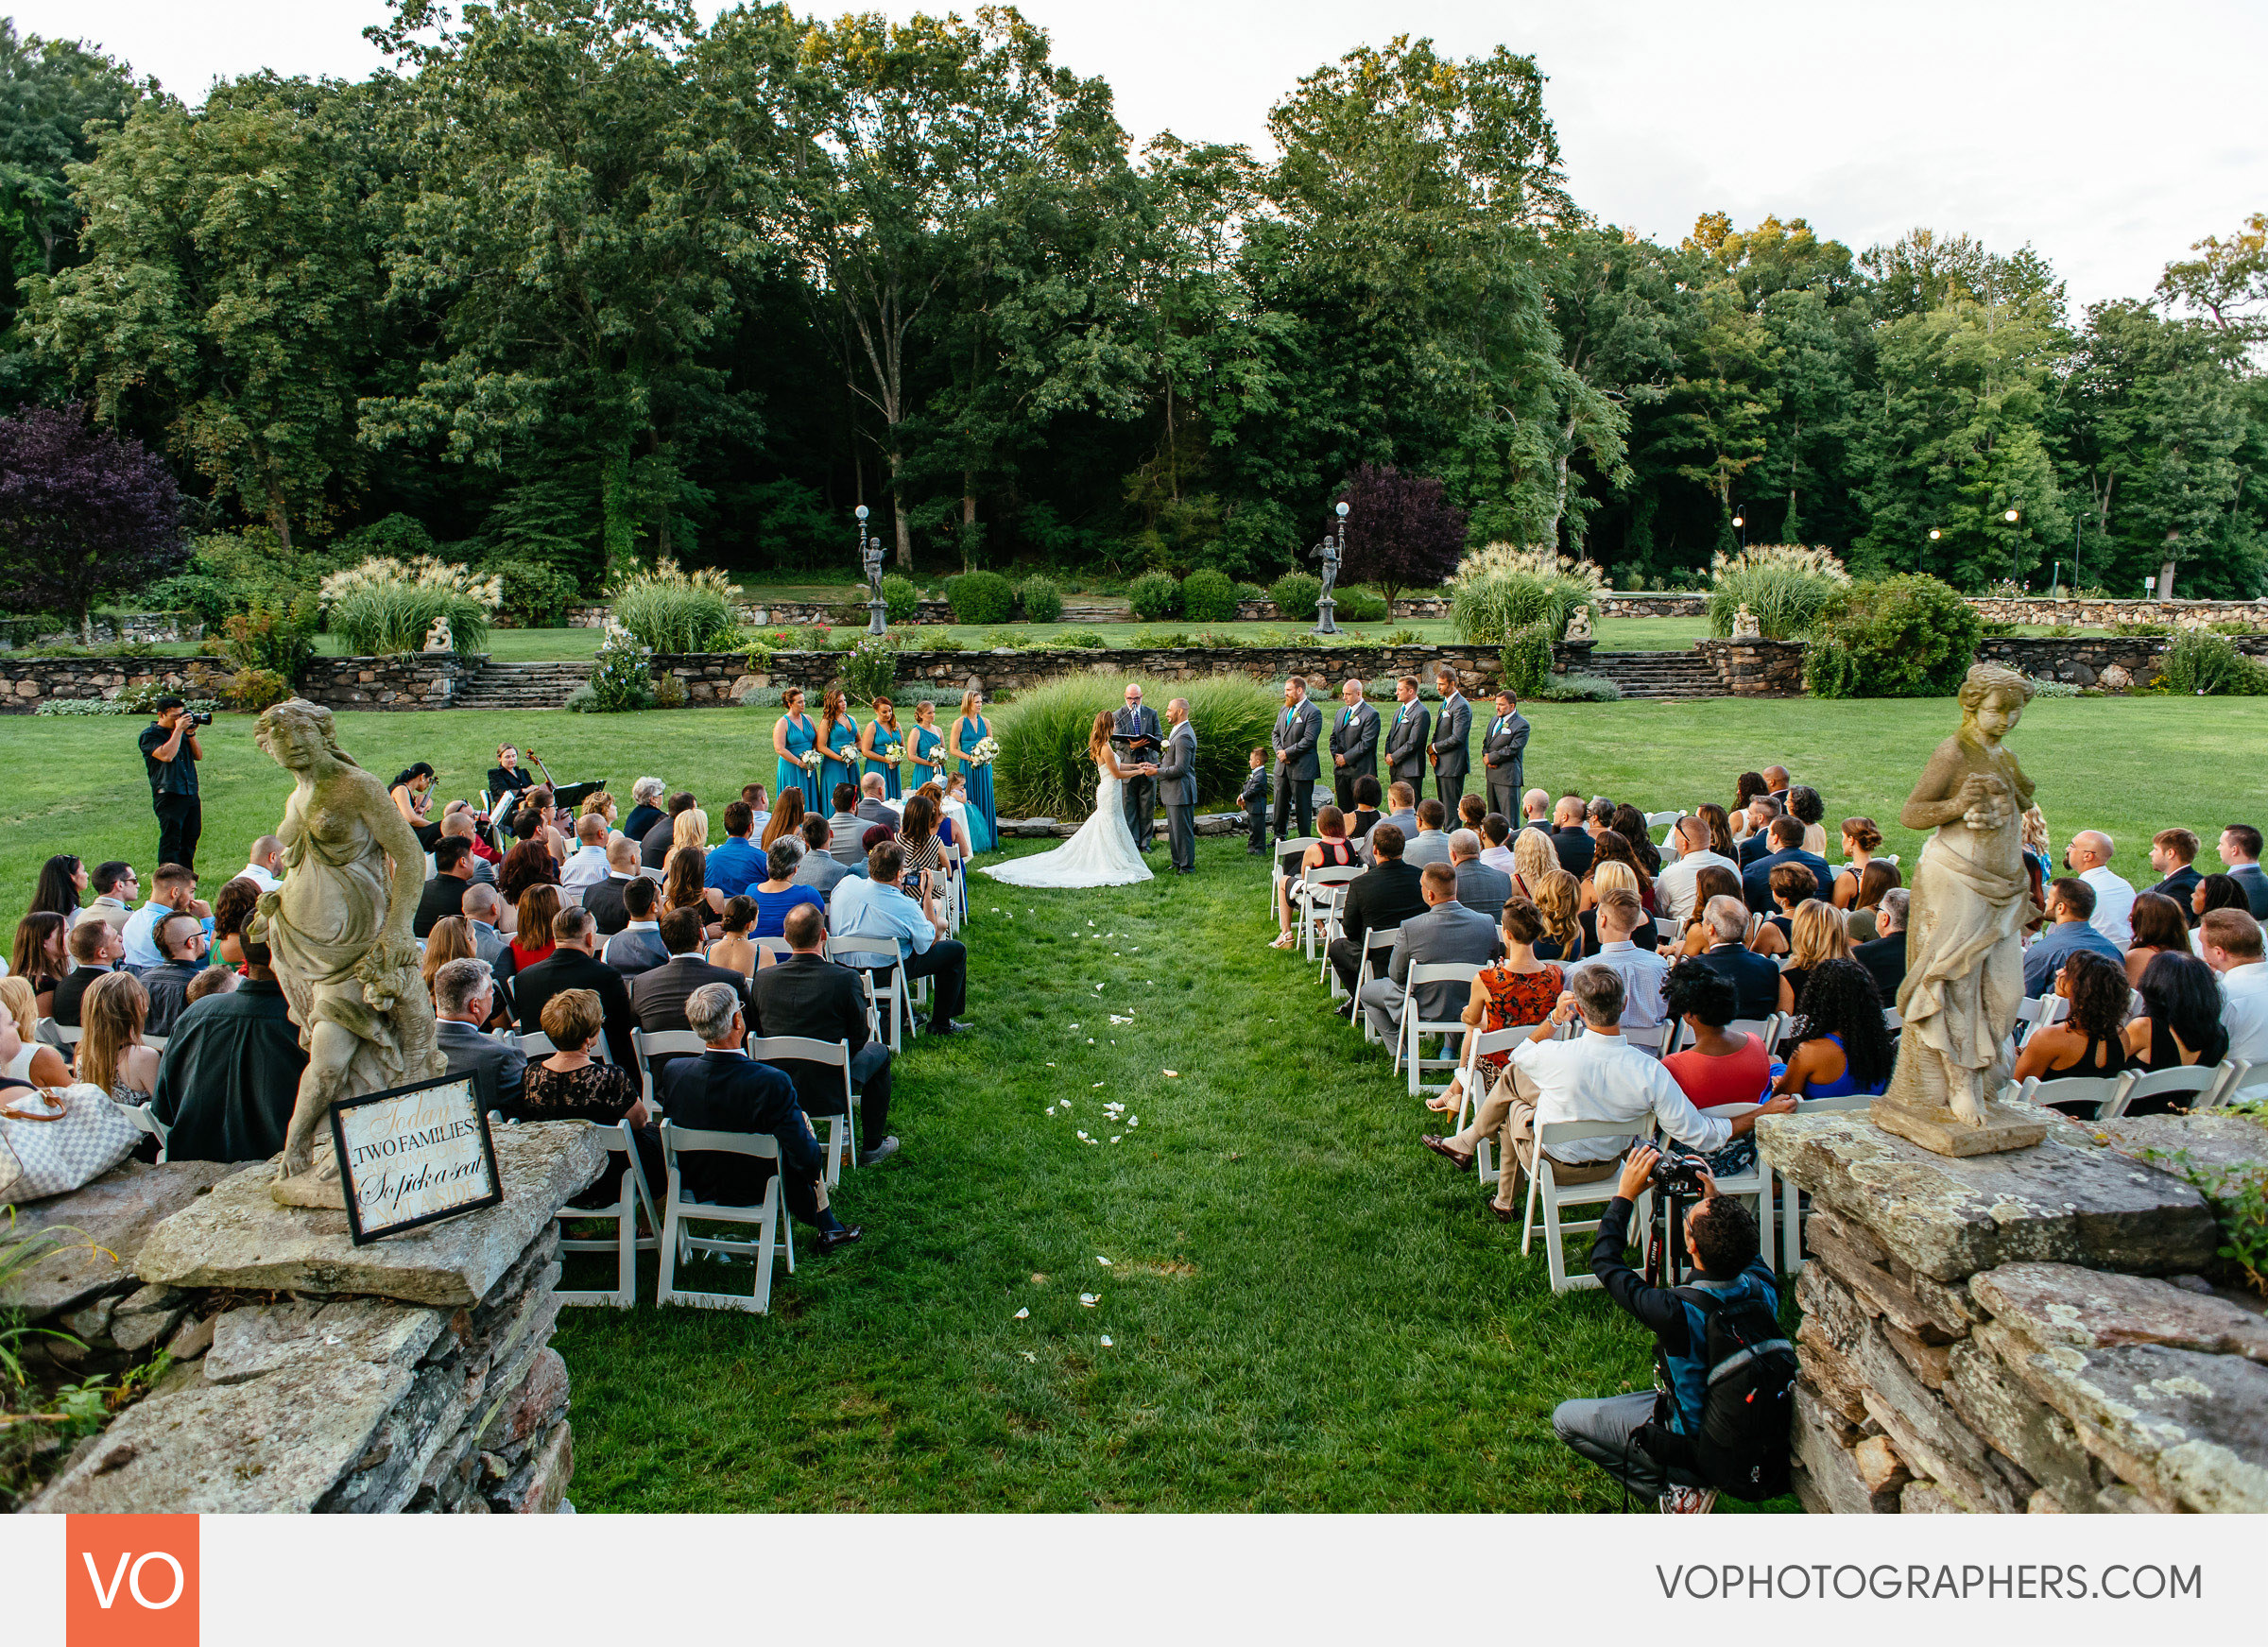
1102	854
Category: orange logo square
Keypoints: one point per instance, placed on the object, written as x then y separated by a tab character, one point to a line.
130	1581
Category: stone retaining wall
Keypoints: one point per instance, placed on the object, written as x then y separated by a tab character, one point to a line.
413	680
2023	1332
2102	613
127	628
1756	668
2083	659
27	683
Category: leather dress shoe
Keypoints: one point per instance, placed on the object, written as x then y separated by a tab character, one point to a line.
1447	1151
831	1239
880	1152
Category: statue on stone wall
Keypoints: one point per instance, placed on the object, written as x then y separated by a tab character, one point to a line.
1965	973
1578	624
437	639
1745	627
339	928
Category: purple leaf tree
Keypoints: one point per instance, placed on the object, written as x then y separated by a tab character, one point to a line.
83	514
1403	532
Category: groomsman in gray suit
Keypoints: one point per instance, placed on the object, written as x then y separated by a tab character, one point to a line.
1353	745
1453	736
1178	786
1298	731
1504	752
1405	738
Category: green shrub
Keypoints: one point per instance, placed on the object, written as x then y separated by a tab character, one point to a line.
1907	636
535	595
1503	590
670	610
2206	665
2062	631
1042	600
1580	689
1785	586
1081	639
763	697
254	690
1995	630
134	701
382	608
1208	597
900	600
669	692
1043	770
267	641
1154	595
1399	638
980	597
2233	626
1295	595
938	640
869	668
619	679
583	701
2043	687
1361	605
1158	640
2142	629
1526	664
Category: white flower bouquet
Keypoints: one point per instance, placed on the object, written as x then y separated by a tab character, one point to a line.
986	752
814	760
893	754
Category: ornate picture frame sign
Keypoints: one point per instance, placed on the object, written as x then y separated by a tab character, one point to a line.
412	1155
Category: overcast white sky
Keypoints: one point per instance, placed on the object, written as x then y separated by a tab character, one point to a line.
2109	136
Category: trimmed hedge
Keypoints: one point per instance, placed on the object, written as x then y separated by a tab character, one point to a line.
1295	595
1208	597
1043	601
1907	636
1359	605
980	597
1154	595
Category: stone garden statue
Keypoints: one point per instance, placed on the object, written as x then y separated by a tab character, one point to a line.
1745	627
1327	560
438	638
870	557
1578	624
339	929
1965	966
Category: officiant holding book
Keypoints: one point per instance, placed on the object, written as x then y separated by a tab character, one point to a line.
1137	737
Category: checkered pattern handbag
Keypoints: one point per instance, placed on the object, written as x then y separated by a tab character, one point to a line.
54	1140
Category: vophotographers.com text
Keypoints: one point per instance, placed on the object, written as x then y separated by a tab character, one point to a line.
1887	1581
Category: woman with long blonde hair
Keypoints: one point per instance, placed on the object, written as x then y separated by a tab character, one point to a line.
967	731
1818	933
1532	860
34	1060
111	1053
1557	900
1608	876
450	939
882	734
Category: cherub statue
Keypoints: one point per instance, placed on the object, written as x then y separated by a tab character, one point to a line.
1745	627
1578	624
438	638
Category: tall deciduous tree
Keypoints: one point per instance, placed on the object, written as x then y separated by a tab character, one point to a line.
83	514
1403	532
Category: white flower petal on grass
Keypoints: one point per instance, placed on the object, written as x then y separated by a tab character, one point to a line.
1030	1356
1082	1134
1024	1313
1075	1026
1098	1083
1107	1341
1173	1075
1114	1140
1101	1260
1090	1299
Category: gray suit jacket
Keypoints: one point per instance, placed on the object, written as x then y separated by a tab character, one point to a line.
1295	742
1504	750
488	943
496	1064
1355	734
1405	742
1177	768
878	812
1453	736
1422	848
1482	888
1450	932
1406	821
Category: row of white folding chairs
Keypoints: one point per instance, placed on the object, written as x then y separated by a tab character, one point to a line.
2108	1097
63	1037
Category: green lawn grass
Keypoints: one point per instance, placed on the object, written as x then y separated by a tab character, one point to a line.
1307	1312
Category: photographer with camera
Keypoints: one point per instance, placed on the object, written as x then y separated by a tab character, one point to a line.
1718	1419
171	752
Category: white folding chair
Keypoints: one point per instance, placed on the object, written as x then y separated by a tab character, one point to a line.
2083	1097
1662	1041
1377	943
625	1243
1480	1044
2193	1081
147	1122
1316	910
1415	1029
536	1044
1546	1195
2246	1082
1768	1029
1787	1198
842	1130
66	1035
156	1043
1754	1186
775	1233
1892	1022
859	954
1294	849
2038	1012
1665	822
656	876
662	1043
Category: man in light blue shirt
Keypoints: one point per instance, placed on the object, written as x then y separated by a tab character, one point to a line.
587	866
2071	907
173	890
875	906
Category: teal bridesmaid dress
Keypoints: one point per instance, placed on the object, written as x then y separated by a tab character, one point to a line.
841	766
984	821
883	738
803	737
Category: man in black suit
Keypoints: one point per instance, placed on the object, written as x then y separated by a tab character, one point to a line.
179	936
1138	722
444	895
1353	743
1504	755
1406	736
1786	837
97	949
572	966
604	900
2174	856
873	806
808	995
1571	842
463	999
1755	980
726	1091
1885	955
1385	895
653	851
658	995
1296	732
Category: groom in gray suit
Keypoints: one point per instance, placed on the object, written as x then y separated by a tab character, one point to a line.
1178	786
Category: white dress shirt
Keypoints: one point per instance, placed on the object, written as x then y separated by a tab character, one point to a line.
2244	1010
587	867
1602	1077
1500	858
2114	905
1642	973
258	877
1674	887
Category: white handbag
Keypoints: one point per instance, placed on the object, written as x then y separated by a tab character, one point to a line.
54	1140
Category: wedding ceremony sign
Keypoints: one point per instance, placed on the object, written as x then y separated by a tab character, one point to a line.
412	1155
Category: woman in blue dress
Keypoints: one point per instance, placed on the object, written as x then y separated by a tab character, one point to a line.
838	742
793	737
882	734
926	748
984	822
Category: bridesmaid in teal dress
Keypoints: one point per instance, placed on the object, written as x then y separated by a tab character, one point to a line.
984	821
793	737
881	733
926	748
839	739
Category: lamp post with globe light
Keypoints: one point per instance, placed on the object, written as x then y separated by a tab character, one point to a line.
1740	524
870	560
1328	552
1921	559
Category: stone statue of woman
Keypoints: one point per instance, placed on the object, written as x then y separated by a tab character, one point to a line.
1965	971
339	928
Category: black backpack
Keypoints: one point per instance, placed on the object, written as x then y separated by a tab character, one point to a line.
1741	1445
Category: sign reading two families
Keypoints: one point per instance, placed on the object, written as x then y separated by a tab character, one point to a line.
414	1155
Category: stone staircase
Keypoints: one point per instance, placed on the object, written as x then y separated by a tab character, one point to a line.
1678	674
520	685
1081	610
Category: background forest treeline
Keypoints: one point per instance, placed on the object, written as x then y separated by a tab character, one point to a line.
583	283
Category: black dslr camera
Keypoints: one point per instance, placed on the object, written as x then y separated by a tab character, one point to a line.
1675	1177
199	718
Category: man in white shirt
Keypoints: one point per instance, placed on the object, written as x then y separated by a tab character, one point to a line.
2090	859
1643	971
2230	942
587	866
1674	887
264	865
1497	854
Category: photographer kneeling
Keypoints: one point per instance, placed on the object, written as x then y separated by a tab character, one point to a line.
1720	1418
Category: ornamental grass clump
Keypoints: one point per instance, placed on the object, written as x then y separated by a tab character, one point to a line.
1785	585
1501	589
384	607
670	610
1043	770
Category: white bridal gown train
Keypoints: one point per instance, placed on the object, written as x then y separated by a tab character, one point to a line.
1101	854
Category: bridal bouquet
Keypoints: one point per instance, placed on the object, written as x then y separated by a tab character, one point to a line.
893	754
814	760
986	752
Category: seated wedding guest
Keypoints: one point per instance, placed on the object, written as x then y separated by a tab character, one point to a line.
1674	888
918	837
464	998
1792	886
645	808
957	814
264	863
1446	933
1536	811
1610	876
173	889
788	818
659	997
1618	919
1401	811
530	862
758	801
809	996
725	1090
2215	892
1756	841
1470	809
598	804
1754	979
231	908
734	950
1843	1047
683	884
111	1053
1598	815
1630	823
1715	882
444	895
572	1085
574	964
1512	993
1532	860
738	864
876	906
1379	900
2179	1022
818	868
1570	841
1365	815
116	886
1558	900
845	827
653	847
2239	848
1745	790
32	1059
95	949
2174	856
2162	927
483	905
1816	935
638	948
1479	888
1885	955
2232	949
2090	857
952	838
780	891
533	925
1720	1065
181	940
2091	1040
872	805
1430	845
450	940
42	956
587	867
1861	841
486	860
1331	850
230	1075
1785	836
212	981
62	879
1720	832
1881	878
2071	905
1613	847
603	898
1806	808
1496	844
